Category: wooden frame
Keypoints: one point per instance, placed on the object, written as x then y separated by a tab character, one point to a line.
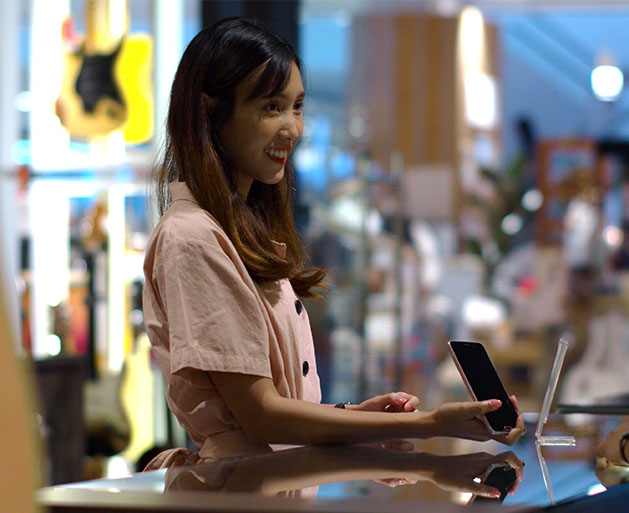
558	163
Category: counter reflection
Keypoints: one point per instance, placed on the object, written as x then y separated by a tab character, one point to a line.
300	472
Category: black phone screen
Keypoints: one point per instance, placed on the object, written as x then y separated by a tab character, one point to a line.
485	382
502	478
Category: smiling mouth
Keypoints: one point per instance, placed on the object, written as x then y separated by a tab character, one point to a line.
278	156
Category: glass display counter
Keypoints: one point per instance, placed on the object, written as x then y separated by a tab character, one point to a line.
428	475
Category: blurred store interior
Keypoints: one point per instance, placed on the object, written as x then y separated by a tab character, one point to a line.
464	174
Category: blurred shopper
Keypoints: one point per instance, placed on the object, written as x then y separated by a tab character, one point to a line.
224	267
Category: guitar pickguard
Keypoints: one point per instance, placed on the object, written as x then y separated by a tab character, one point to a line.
95	82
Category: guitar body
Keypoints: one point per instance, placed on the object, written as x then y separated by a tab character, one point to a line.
107	423
133	72
91	102
105	91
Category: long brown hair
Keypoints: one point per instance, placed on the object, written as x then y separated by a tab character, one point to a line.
219	58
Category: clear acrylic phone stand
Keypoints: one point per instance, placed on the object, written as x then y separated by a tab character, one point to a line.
545	474
543	417
548	399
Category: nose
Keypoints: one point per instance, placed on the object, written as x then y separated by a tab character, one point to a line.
291	127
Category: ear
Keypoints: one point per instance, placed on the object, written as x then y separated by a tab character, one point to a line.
209	101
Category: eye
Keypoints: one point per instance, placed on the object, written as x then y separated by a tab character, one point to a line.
272	107
299	106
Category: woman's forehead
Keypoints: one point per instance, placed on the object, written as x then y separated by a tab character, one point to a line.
246	90
249	83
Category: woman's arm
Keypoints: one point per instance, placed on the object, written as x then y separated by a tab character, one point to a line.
268	417
305	467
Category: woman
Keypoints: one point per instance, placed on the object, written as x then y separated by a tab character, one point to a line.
224	268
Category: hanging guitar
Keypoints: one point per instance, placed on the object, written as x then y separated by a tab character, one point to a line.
106	84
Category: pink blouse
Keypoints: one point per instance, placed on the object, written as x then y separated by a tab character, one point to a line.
203	312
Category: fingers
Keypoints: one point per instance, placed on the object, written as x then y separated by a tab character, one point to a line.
513	435
462	419
516	405
515	463
376	403
393	482
467	410
510	458
487	491
477	488
409	402
474	409
391	402
402	402
398	402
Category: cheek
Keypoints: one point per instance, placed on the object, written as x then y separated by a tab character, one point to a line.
227	137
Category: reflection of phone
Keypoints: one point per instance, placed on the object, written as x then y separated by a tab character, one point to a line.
482	381
502	478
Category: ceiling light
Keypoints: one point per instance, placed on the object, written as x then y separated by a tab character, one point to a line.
607	82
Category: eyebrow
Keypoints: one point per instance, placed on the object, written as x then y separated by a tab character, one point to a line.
283	96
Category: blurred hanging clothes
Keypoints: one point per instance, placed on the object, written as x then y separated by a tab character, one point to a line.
581	245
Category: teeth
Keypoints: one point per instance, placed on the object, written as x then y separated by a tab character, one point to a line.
278	154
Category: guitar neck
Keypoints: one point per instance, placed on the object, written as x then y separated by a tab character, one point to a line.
106	21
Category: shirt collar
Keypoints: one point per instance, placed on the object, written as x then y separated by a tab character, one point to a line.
180	191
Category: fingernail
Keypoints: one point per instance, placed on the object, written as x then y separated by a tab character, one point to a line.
495	403
495	494
400	399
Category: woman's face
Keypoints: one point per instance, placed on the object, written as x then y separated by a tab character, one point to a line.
262	132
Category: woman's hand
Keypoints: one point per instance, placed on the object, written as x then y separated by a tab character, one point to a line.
462	420
458	473
461	473
394	402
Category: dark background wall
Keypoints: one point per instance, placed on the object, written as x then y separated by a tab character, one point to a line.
281	15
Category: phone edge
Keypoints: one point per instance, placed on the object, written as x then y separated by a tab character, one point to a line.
467	384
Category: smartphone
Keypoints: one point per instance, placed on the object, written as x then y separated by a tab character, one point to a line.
501	477
483	382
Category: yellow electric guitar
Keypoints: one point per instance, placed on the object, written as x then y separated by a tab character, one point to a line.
107	80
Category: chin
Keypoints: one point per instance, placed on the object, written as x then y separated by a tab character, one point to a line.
275	179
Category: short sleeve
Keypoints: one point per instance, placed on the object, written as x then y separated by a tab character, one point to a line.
215	319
